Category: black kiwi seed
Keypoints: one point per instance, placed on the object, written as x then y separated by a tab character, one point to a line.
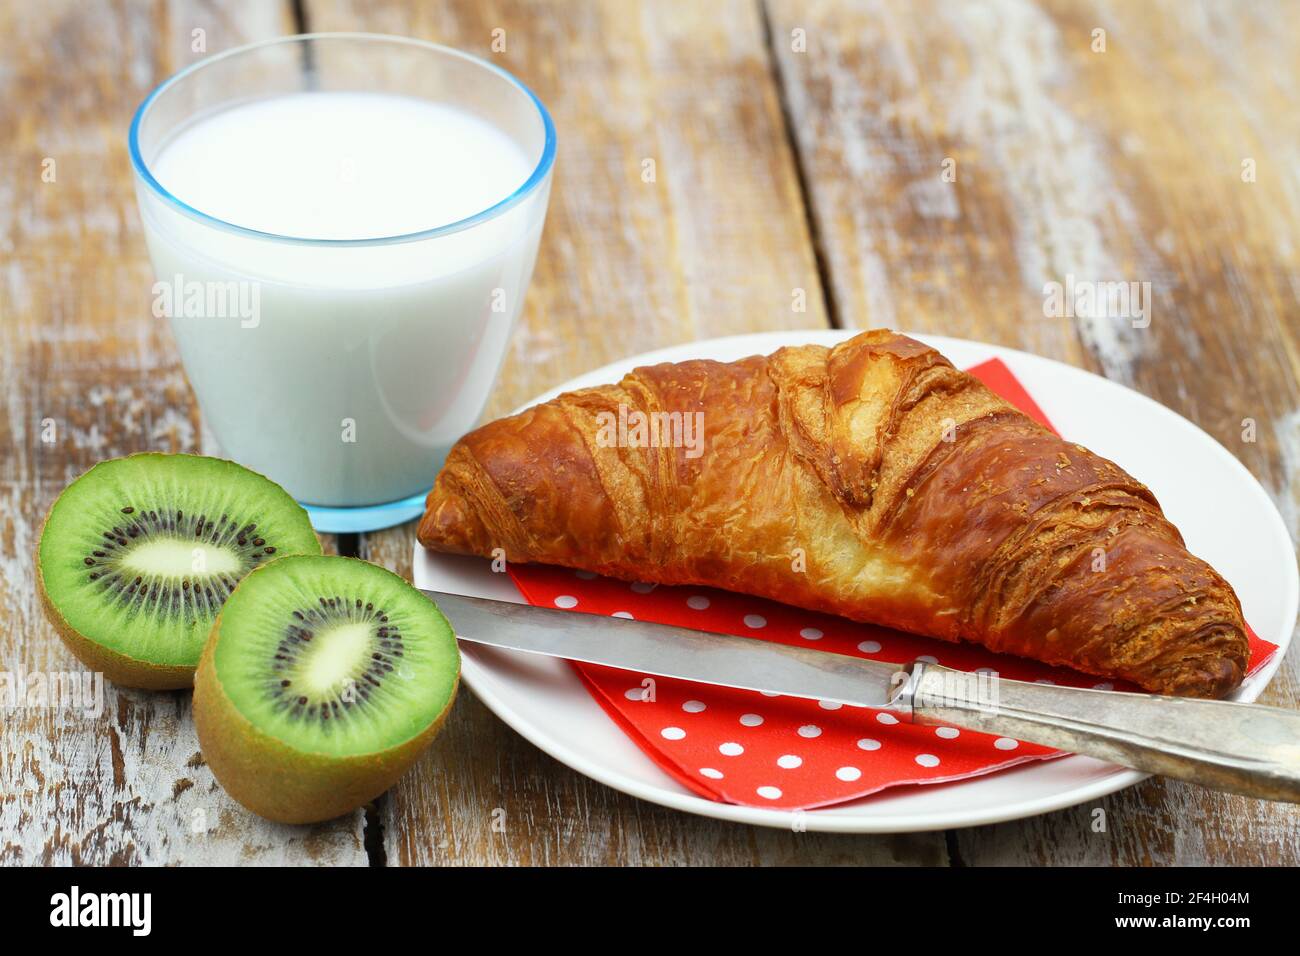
127	510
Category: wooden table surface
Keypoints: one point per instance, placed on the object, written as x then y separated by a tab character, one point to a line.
797	146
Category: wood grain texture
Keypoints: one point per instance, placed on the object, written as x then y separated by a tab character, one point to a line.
1117	165
87	374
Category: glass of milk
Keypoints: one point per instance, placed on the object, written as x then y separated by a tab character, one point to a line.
342	227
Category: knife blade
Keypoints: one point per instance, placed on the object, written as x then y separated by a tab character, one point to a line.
1240	748
668	651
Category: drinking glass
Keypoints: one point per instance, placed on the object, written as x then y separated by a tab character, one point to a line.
367	358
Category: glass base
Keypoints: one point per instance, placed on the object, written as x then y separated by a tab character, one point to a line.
365	517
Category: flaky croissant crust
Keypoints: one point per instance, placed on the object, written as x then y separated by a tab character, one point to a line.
871	480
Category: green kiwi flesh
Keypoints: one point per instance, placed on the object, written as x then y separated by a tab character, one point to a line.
323	680
139	553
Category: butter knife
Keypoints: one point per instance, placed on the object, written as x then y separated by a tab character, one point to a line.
1239	748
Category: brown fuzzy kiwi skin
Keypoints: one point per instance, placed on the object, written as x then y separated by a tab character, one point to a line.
119	668
280	783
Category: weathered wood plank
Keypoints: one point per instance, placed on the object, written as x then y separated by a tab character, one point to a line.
1157	823
716	245
88	373
1122	164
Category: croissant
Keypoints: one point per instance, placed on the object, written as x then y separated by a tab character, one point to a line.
872	480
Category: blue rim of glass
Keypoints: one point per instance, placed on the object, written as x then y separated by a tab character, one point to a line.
539	174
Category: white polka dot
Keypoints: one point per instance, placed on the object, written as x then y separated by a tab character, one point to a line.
927	760
585	575
867	743
789	762
829	704
755	621
810	730
869	647
751	720
1104	685
887	718
947	733
769	693
566	600
848	774
642	587
1006	743
697	602
769	793
811	634
710	773
635	693
626	615
731	749
672	733
693	706
928	659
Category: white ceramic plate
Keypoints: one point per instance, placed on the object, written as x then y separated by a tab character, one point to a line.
1224	514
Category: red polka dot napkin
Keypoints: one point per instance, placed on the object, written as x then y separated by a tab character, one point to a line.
754	749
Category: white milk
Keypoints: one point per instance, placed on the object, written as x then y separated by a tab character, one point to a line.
344	372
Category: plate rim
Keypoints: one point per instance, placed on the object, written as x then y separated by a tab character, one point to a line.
819	820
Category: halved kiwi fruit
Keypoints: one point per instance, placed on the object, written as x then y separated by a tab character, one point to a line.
138	554
322	681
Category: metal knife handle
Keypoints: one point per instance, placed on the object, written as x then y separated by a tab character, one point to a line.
1240	748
